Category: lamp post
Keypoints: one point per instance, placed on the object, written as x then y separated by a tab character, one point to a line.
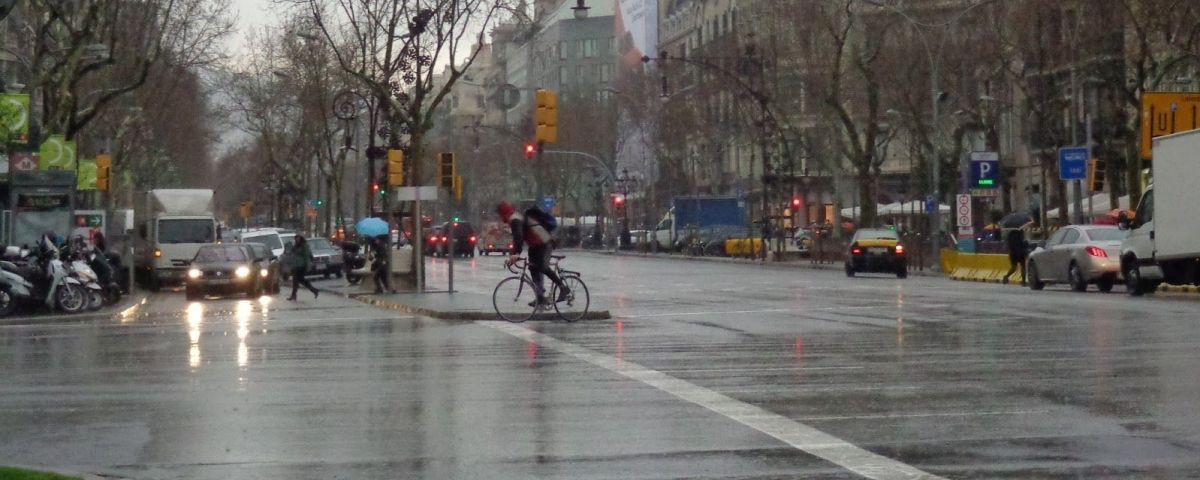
623	182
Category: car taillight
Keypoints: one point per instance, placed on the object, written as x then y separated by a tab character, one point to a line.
899	248
1097	252
473	239
445	239
510	246
491	246
854	250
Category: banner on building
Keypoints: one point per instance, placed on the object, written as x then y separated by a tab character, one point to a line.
57	153
86	174
14	117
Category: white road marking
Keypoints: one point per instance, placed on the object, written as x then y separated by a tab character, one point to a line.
924	415
800	436
769	310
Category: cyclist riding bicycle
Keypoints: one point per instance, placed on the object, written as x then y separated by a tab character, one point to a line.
533	227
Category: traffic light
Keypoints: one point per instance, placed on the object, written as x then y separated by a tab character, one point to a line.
530	149
458	188
618	200
103	172
318	202
446	170
796	203
546	116
395	168
1095	175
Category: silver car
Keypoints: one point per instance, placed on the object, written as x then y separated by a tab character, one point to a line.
1078	255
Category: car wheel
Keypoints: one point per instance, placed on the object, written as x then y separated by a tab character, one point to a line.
1133	279
902	273
849	271
1035	282
192	294
1075	278
338	274
1105	284
327	275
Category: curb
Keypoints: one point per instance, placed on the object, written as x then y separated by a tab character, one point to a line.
1183	289
738	261
452	314
127	304
67	473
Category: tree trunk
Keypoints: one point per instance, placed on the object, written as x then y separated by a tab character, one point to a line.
866	198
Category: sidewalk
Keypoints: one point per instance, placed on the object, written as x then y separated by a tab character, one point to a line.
790	264
441	305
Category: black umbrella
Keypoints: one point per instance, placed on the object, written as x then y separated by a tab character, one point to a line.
1015	220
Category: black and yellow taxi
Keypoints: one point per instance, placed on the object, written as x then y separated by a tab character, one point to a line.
874	250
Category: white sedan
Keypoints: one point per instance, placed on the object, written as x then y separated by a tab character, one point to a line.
1078	255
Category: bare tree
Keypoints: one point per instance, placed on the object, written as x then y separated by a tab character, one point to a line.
88	53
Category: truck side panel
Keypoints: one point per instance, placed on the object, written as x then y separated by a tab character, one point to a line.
1176	196
707	211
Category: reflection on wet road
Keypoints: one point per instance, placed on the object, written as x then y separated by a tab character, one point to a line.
704	373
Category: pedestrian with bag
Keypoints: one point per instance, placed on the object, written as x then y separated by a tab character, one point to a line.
534	227
302	260
379	266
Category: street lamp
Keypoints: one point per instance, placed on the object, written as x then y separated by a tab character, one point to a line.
624	182
580	9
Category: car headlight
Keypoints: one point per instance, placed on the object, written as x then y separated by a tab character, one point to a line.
242	272
194	273
264	273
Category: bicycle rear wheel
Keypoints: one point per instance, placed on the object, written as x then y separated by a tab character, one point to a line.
575	306
515	299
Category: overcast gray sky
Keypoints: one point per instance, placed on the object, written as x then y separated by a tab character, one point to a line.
250	14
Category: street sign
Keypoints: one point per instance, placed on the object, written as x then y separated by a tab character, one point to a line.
1072	163
985	170
931	204
1164	113
962	212
409	194
547	202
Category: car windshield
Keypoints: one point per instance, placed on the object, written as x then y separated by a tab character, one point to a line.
1106	234
270	241
187	231
220	254
879	234
319	244
287	238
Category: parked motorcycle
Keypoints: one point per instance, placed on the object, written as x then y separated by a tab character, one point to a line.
355	263
43	277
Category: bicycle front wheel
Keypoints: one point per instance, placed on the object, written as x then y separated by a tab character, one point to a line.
575	306
515	299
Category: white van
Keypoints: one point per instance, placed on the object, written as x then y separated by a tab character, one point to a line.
271	237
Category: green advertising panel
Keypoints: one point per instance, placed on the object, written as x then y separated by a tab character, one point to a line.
86	175
14	116
57	154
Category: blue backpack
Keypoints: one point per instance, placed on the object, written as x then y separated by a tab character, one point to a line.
545	219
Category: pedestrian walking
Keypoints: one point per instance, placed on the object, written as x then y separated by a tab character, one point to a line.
379	266
1018	252
302	259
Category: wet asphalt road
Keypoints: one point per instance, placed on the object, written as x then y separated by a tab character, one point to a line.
708	370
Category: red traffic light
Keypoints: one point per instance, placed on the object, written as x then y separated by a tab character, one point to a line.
796	202
530	149
618	200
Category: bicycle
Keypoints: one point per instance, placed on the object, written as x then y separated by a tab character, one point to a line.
518	295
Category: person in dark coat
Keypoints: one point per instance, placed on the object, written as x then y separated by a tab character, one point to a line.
379	246
1018	252
302	260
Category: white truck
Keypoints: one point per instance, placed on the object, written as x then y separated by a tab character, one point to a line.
1163	244
171	228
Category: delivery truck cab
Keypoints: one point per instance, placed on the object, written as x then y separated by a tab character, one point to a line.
1164	234
175	223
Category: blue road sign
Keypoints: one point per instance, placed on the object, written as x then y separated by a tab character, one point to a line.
931	204
1072	163
985	171
547	202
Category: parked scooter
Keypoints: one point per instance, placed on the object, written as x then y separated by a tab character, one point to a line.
43	277
355	263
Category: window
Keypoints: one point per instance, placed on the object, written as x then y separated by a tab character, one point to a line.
587	48
187	231
1071	237
1057	237
564	75
725	22
1145	210
562	50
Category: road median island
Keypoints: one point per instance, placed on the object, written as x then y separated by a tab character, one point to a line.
793	264
14	473
462	306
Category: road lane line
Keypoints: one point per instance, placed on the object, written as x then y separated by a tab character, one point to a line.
768	310
800	436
